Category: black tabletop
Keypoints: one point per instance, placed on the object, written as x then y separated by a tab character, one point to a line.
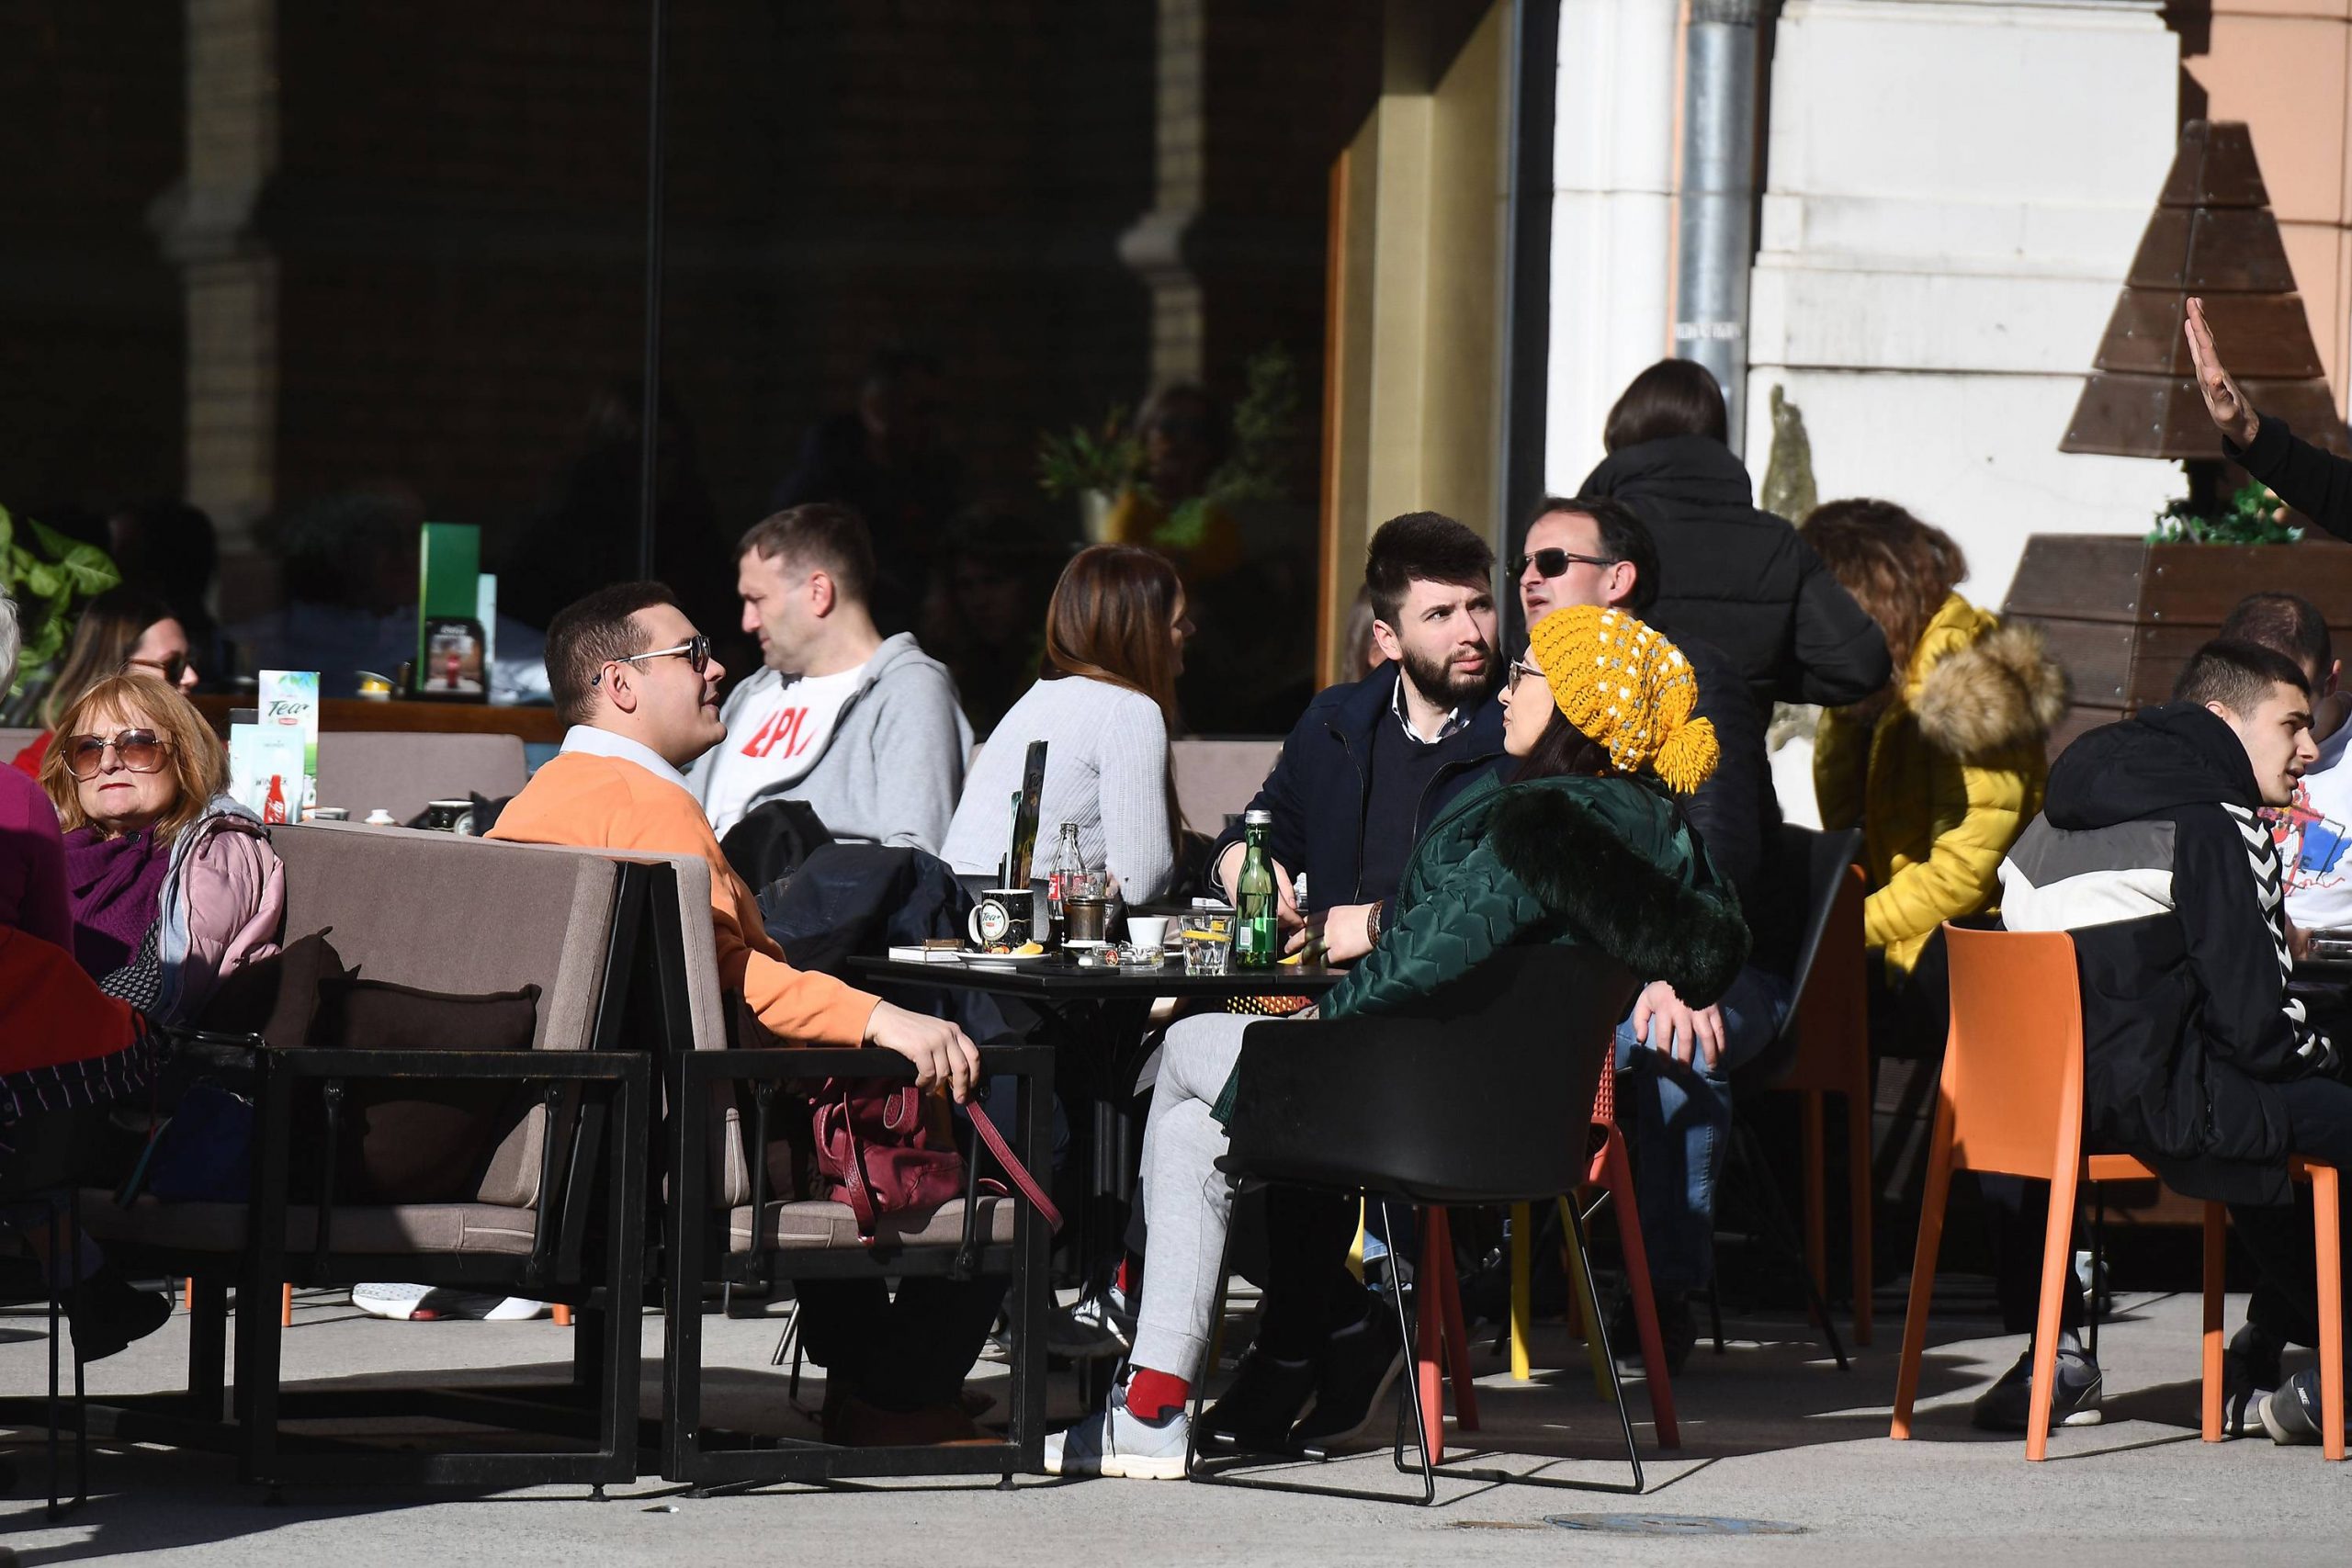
1059	979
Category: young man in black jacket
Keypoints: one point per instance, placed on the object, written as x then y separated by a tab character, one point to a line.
1363	772
2152	851
2314	482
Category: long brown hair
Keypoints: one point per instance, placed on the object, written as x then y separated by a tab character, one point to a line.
1112	618
192	753
1899	569
110	627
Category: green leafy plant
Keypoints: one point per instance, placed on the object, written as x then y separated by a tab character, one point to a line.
1108	458
49	576
2254	517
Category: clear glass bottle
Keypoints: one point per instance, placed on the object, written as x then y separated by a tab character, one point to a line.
1257	927
1068	863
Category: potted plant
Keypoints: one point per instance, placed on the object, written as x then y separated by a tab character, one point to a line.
51	577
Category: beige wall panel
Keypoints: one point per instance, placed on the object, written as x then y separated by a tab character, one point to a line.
1462	387
2285	77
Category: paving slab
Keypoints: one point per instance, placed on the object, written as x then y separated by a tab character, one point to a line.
1774	1438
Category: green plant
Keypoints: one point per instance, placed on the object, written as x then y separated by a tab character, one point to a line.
1108	458
2254	517
47	574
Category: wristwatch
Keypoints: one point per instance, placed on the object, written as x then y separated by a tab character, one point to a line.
1372	925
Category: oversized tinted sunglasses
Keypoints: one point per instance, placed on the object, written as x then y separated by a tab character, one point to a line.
139	751
171	667
1551	563
694	650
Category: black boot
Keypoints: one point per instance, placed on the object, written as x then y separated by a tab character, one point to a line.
107	1314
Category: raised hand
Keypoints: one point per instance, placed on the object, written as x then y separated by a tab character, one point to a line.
2232	411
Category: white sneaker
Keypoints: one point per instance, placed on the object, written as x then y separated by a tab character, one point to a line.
1117	1444
428	1303
1089	1331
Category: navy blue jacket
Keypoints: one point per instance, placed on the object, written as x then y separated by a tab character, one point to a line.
1321	783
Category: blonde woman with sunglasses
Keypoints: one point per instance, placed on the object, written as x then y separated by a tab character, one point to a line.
173	884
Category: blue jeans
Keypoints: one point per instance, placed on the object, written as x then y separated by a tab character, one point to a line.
1677	1117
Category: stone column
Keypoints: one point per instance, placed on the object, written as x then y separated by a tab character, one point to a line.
1154	248
1612	219
207	226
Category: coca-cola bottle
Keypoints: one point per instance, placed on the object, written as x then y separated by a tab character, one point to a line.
1067	863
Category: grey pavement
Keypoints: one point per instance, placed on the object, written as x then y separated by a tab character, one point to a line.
1773	1435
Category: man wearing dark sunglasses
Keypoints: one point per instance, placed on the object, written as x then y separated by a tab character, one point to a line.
1678	1060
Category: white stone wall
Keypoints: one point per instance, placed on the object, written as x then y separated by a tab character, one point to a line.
1954	190
1612	219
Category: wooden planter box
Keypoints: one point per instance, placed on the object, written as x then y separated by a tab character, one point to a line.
2123	616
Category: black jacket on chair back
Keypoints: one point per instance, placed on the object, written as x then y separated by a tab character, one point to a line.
2151	850
1741	578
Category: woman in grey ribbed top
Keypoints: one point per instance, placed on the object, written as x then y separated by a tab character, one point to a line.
1106	769
1114	644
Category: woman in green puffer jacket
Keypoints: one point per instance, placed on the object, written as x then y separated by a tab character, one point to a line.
1586	845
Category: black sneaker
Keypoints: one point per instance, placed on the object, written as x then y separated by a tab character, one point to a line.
108	1313
2249	1371
1677	1331
2007	1406
2291	1413
1259	1407
1360	1366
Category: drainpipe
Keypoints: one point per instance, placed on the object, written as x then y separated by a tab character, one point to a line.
1714	212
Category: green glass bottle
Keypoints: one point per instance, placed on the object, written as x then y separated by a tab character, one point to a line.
1257	929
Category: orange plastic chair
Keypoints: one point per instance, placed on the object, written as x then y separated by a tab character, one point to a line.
2010	1100
1833	1056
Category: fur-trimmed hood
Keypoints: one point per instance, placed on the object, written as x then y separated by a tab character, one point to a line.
1557	839
1980	688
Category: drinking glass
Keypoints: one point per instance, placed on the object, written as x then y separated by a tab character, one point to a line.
1208	941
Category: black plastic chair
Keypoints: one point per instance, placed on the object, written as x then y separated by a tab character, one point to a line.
1809	870
1478	1094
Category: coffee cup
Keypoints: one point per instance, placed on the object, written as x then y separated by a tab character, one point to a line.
1000	919
1148	930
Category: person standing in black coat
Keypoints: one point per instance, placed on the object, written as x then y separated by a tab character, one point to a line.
2314	482
1730	572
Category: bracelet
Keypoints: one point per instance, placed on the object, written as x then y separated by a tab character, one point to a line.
1372	925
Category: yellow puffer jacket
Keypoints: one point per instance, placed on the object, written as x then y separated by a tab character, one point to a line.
1946	777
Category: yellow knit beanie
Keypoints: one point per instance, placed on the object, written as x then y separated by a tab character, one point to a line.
1629	690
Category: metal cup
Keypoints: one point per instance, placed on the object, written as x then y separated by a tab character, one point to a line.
1086	920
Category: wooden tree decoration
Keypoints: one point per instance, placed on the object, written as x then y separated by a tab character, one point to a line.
2212	235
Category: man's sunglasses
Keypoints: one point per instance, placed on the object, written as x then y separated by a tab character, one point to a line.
139	751
171	667
694	650
1551	563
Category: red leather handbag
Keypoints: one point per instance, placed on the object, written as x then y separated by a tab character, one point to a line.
882	1155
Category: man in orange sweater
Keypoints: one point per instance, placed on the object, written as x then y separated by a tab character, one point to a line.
637	686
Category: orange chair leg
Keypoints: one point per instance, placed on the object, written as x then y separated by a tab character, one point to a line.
1429	1353
1457	1338
286	1308
2326	1197
562	1315
1858	1199
2057	1278
2216	1259
1816	1228
1617	1174
1923	1273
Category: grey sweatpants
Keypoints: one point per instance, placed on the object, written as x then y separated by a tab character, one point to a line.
1187	1202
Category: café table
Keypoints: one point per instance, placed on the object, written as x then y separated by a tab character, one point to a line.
1099	1021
